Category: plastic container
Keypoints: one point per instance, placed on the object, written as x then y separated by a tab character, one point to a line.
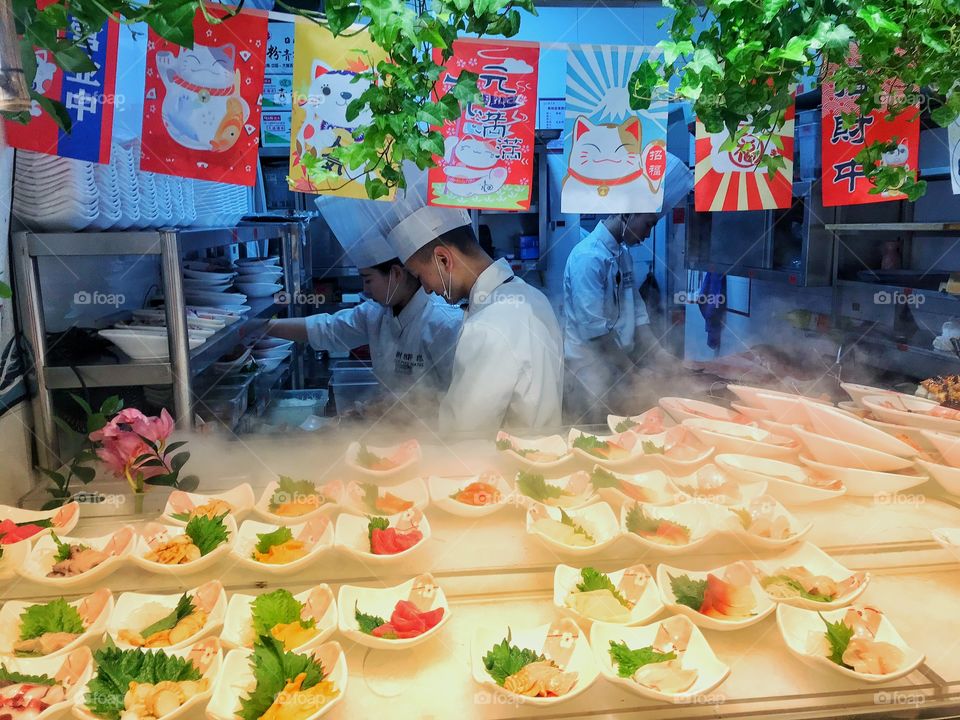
352	382
223	405
293	407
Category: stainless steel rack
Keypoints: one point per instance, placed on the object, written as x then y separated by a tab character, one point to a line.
183	364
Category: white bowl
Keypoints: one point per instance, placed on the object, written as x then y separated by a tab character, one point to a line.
352	536
764	606
781	429
578	658
766	506
910	435
136	611
256	289
681	409
715	485
635	583
94	611
318	604
577	490
269	364
258	278
797	624
272	343
316	534
698	655
332	494
403	457
751	395
214	299
119	545
948	477
703	520
240	498
729	437
13	558
858	392
143	345
816	561
652	487
948	538
947	444
270	354
154	534
62	519
236	680
267	260
413	491
831	451
783	408
443	490
597	519
838	424
208	659
907	410
205	275
423	591
73	670
632	444
866	483
750	413
553	446
787	482
649	425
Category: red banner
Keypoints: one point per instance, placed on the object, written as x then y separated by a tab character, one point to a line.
201	112
488	152
734	179
844	182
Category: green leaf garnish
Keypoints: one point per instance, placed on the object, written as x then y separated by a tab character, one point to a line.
629	661
11	677
371	493
367	623
367	459
577	529
651	448
289	490
505	659
55	616
592	579
625	425
794	585
184	609
265	541
63	549
590	443
687	591
376	523
536	488
207	533
504	445
838	635
603	479
279	607
273	668
639	523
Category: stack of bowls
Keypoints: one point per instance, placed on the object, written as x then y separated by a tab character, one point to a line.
54	193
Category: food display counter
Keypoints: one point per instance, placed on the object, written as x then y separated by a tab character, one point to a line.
495	575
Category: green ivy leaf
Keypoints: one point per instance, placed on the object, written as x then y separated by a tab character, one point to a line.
341	15
878	21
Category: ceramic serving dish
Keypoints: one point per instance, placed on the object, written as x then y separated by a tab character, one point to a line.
180	505
913	411
118	546
947	444
315	534
597	520
652	487
867	483
948	477
729	437
136	611
569	492
392	460
94	611
155	535
738	574
72	671
681	409
788	483
843	584
352	536
635	585
367	498
62	521
545	453
837	424
683	528
323	499
445	491
318	604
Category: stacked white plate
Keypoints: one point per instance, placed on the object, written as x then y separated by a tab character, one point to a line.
54	193
108	196
219	204
126	164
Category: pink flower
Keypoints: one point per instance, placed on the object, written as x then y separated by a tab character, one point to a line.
121	443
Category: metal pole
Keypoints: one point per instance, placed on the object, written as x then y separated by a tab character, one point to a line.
30	304
177	334
292	270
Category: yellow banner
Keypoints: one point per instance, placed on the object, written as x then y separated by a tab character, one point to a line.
324	68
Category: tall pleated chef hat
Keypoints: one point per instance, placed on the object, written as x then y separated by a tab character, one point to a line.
422	223
677	183
360	227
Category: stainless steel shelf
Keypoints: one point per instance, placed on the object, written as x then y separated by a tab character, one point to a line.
905	227
789	277
223	341
933	300
109	375
145	242
904	359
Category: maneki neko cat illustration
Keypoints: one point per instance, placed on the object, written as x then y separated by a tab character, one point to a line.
325	124
202	106
606	167
470	165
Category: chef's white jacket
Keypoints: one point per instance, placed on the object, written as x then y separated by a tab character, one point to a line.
508	367
412	348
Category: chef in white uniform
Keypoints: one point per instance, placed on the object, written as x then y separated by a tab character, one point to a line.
508	366
606	327
411	334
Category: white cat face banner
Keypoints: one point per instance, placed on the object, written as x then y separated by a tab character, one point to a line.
616	157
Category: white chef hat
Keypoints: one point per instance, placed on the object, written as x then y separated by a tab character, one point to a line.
422	223
677	183
359	226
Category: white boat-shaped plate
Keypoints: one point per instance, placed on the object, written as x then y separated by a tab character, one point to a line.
578	659
640	589
94	610
597	519
867	483
237	680
858	392
118	545
576	488
713	484
816	561
947	444
767	506
650	425
764	605
751	395
63	520
381	602
729	437
331	494
948	477
652	487
316	534
831	451
73	670
838	424
698	656
796	626
319	605
412	491
13	558
681	409
546	453
913	411
443	490
206	655
241	499
752	414
702	519
784	408
136	611
911	435
352	536
630	446
155	534
402	457
788	483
